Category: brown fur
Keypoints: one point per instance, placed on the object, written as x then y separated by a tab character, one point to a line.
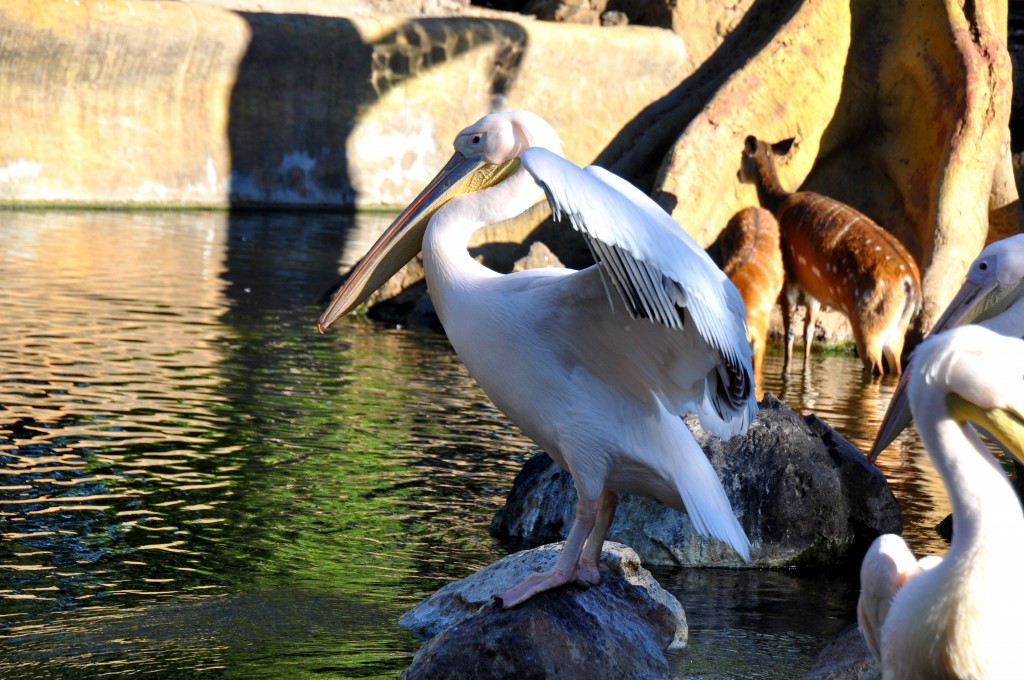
837	256
751	258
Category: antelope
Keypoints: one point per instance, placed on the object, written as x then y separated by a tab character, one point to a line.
837	256
748	249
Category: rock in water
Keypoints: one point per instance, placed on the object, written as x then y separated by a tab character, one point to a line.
804	495
618	629
846	658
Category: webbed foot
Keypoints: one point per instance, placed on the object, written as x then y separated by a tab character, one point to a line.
533	584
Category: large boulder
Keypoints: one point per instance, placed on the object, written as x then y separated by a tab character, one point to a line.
620	628
804	495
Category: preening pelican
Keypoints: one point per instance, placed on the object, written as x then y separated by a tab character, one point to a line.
957	616
992	296
596	366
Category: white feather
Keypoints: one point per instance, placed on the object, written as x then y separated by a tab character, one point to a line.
662	275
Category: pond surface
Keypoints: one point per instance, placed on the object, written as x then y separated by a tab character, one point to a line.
195	483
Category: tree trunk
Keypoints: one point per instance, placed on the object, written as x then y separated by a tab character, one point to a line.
900	109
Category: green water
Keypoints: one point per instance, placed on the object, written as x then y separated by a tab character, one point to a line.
195	483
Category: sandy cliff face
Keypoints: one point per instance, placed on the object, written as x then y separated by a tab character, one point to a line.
175	104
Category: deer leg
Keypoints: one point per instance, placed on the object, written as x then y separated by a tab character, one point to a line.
813	307
757	346
788	305
868	350
892	353
892	348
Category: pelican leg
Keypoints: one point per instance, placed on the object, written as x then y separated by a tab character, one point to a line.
565	569
588	572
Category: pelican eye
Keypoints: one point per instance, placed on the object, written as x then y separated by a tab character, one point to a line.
475	139
983	266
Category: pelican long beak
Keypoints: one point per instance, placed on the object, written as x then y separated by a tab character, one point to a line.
1005	424
401	241
968	305
897	417
972	303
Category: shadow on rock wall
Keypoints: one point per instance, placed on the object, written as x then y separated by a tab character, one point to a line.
304	87
306	83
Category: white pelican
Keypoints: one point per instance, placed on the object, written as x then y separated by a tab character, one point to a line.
992	296
597	379
957	616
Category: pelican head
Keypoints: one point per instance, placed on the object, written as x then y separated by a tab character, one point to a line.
953	616
994	283
967	363
989	296
486	153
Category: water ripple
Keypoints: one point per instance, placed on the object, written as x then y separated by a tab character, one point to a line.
193	479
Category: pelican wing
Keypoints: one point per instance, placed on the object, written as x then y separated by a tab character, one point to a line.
663	276
886	566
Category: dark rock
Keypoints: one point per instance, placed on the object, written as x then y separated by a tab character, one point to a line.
541	504
618	629
846	658
803	494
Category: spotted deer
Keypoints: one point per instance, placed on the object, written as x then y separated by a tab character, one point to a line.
836	256
748	250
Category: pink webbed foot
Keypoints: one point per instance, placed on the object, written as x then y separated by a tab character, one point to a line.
531	585
580	554
585	575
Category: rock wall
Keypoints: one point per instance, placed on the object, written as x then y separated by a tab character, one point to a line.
900	109
185	104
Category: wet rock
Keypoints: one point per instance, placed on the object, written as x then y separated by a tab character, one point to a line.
846	658
618	629
804	495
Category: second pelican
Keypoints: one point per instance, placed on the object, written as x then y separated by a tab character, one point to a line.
957	616
598	379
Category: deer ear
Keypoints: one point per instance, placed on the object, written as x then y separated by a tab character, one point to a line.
750	145
782	148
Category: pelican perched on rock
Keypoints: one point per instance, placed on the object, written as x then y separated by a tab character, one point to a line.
958	616
597	365
992	296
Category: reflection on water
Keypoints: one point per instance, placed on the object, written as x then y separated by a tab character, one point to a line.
193	480
836	389
757	624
